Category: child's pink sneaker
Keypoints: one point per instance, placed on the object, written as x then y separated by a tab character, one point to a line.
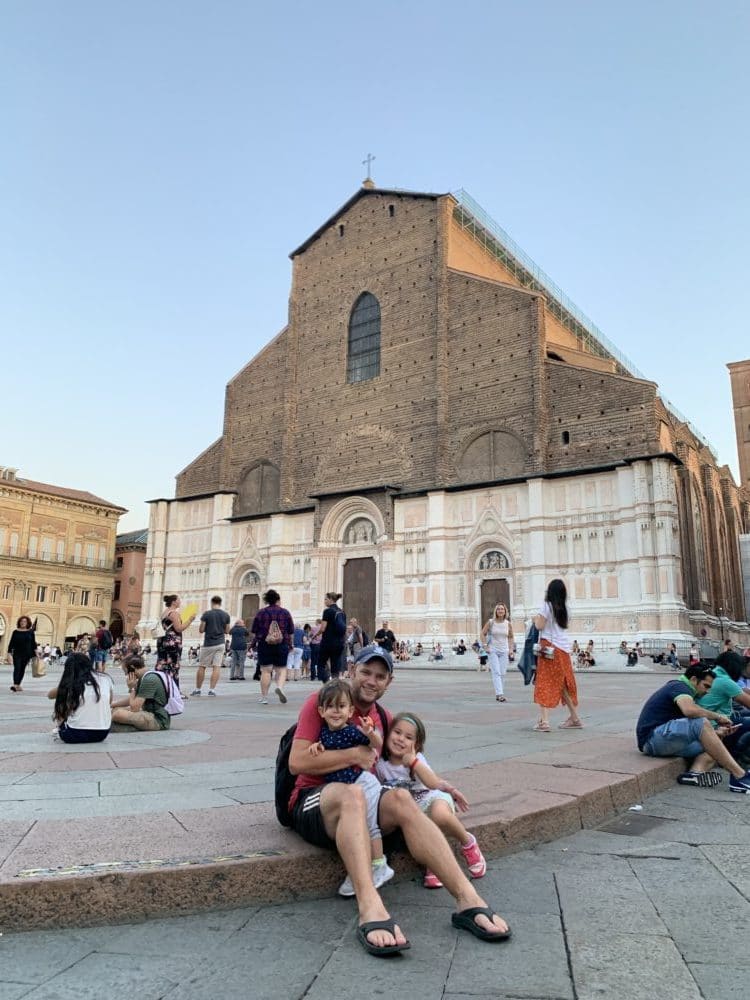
431	881
474	859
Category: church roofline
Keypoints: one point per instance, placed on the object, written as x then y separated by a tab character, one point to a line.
193	496
359	491
362	193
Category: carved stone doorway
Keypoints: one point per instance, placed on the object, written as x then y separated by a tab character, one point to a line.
359	601
494	592
250	606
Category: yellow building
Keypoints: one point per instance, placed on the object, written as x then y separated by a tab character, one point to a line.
57	557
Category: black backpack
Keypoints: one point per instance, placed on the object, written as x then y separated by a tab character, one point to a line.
339	623
106	641
285	780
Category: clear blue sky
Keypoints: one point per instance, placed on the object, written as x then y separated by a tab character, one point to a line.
160	159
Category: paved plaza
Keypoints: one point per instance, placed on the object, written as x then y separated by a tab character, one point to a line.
603	901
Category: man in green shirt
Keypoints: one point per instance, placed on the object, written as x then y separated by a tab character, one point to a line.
729	698
144	708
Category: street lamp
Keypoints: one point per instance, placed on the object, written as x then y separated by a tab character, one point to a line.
721	625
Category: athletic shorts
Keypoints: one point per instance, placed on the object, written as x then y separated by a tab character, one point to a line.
99	656
307	819
211	656
273	655
69	735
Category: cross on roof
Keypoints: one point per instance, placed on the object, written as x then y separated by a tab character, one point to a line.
367	162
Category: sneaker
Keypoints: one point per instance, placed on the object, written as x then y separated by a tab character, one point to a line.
211	694
346	888
474	859
381	873
194	694
431	881
262	701
700	779
741	785
282	699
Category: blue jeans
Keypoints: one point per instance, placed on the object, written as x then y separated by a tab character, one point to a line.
676	738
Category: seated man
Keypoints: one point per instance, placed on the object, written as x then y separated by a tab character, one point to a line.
144	707
728	697
334	816
672	725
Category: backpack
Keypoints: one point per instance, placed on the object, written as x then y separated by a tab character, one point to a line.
285	780
365	639
275	635
174	704
106	641
339	623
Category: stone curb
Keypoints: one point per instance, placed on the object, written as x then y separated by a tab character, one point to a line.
127	896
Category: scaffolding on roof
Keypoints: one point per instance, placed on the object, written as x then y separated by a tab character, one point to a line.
471	217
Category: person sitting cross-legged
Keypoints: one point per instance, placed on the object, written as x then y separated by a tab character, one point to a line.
334	816
671	724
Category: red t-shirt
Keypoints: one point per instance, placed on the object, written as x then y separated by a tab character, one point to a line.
309	725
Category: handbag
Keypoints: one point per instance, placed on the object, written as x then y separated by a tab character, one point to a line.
38	667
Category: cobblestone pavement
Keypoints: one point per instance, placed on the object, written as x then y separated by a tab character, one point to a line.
655	903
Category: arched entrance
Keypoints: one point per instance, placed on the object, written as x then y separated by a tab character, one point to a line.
359	589
492	570
250	590
78	627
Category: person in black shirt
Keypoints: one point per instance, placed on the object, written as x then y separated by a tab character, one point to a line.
333	631
385	638
22	647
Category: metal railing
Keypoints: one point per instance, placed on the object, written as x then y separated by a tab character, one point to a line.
470	215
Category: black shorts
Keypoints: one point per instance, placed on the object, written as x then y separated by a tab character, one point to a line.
273	655
307	819
69	735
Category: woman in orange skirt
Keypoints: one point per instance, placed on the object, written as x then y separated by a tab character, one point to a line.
555	681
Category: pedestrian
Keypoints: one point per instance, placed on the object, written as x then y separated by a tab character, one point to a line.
22	647
294	657
305	666
169	645
238	650
497	634
316	636
214	627
273	637
333	628
555	681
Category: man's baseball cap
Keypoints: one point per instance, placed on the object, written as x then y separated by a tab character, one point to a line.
374	652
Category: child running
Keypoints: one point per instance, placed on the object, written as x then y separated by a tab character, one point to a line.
403	765
336	707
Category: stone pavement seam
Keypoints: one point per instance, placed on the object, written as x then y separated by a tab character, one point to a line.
566	941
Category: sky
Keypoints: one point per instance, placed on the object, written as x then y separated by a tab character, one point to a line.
159	160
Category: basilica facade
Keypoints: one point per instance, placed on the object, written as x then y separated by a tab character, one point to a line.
437	429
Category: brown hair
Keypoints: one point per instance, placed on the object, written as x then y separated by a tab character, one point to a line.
419	740
333	597
30	623
332	691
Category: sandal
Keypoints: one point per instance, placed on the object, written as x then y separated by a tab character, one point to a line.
465	921
542	727
570	724
384	950
500	697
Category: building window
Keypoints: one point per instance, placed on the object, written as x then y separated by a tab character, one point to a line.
91	555
85	597
47	549
118	564
566	437
6	592
33	542
97	600
61	551
117	590
363	356
77	554
14	544
53	597
102	556
26	593
41	594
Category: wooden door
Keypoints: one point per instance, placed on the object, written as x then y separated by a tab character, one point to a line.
494	592
250	606
359	599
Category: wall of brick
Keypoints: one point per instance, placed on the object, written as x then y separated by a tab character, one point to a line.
203	475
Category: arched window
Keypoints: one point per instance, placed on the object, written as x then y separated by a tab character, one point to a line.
363	355
258	491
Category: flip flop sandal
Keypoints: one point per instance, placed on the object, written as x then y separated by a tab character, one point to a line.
542	727
380	925
570	725
465	921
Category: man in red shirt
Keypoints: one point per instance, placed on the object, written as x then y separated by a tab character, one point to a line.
333	815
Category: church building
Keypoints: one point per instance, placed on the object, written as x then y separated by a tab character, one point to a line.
438	428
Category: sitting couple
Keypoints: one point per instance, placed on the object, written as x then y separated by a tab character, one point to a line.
350	812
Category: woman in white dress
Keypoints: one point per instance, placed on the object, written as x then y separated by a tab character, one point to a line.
497	635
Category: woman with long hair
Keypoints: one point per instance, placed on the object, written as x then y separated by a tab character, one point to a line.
169	646
22	647
555	681
331	660
497	635
83	702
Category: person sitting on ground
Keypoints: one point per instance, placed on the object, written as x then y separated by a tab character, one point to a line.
695	656
623	648
144	708
632	658
333	815
403	765
671	724
729	698
83	702
336	708
672	659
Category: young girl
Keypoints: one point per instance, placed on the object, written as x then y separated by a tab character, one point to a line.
554	673
336	707
83	702
403	765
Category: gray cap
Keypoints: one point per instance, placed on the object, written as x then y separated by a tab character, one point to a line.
375	652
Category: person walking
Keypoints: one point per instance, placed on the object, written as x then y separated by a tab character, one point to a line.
238	650
169	646
555	681
214	627
331	656
22	647
273	637
316	635
497	635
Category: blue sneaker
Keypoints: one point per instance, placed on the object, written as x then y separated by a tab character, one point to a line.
741	785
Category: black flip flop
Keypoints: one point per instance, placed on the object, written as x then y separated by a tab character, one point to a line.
380	925
465	921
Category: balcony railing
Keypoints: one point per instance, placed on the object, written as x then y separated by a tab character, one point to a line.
53	559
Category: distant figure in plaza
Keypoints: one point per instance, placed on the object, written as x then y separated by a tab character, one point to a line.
333	816
555	681
497	635
305	665
22	647
294	656
169	645
316	636
403	765
587	655
144	708
671	724
83	644
273	637
437	652
83	702
461	647
238	649
214	627
104	642
385	638
672	659
695	656
333	638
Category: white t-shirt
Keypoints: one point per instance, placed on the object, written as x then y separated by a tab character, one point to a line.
552	632
399	775
498	636
93	714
